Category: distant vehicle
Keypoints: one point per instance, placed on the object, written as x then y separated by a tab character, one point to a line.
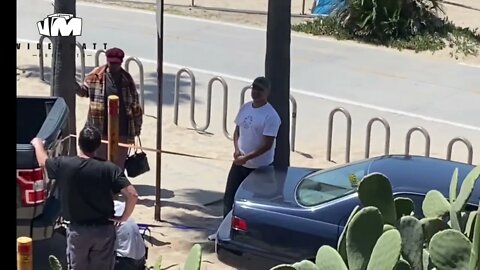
43	117
285	216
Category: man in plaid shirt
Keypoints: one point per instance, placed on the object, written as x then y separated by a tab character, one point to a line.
106	80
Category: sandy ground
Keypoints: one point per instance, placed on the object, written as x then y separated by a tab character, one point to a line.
465	13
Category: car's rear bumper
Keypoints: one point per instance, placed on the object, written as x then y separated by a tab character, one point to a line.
238	255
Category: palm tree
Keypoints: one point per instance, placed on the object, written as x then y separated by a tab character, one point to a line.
277	69
64	69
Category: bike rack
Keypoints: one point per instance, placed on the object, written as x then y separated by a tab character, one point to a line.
176	96
40	59
97	57
140	68
330	133
82	60
467	143
225	105
425	134
294	115
369	133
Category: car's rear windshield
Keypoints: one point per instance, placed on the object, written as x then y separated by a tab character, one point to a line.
326	185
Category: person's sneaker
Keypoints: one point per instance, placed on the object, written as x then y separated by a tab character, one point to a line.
212	237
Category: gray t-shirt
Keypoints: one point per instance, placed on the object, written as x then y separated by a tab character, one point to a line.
129	241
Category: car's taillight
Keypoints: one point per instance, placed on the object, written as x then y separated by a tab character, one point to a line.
239	224
32	186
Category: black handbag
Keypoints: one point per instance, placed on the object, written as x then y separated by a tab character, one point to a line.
137	163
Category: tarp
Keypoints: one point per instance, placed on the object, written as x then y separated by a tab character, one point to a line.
326	7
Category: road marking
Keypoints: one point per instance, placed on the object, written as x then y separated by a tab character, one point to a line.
303	92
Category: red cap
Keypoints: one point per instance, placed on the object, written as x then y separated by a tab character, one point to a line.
114	55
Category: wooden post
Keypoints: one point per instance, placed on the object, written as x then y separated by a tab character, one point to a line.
24	253
113	128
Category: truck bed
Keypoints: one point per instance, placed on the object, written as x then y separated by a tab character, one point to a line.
43	117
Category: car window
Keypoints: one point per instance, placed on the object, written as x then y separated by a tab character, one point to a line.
324	186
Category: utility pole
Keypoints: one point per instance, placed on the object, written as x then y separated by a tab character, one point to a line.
277	69
63	71
158	182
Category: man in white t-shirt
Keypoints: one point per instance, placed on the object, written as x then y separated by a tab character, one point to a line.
257	125
130	246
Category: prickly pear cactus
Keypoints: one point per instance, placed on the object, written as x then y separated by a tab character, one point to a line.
283	267
194	259
375	190
435	205
362	233
305	265
387	227
402	265
54	263
158	264
403	207
342	241
450	250
466	189
329	259
470	225
412	241
474	255
453	186
386	252
431	226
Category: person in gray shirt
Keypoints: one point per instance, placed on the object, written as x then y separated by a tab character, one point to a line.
130	245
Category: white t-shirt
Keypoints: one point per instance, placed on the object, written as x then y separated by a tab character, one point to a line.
253	124
129	242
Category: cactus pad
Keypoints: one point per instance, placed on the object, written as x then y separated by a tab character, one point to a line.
305	265
453	186
386	252
450	250
412	241
283	267
466	189
363	231
431	226
402	265
54	263
329	259
387	227
375	190
474	255
194	259
403	207
342	241
435	205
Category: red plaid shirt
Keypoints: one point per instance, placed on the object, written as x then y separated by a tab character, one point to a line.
94	88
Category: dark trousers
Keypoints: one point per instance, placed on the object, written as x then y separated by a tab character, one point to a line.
91	247
123	263
235	177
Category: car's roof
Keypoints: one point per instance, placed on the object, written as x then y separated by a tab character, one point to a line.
420	174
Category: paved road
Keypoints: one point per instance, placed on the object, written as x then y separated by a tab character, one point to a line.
355	74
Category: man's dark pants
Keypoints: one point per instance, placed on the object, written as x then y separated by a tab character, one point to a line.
235	177
123	263
91	247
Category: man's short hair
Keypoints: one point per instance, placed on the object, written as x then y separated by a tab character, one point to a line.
262	83
89	139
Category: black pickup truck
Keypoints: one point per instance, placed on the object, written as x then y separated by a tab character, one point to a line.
37	207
